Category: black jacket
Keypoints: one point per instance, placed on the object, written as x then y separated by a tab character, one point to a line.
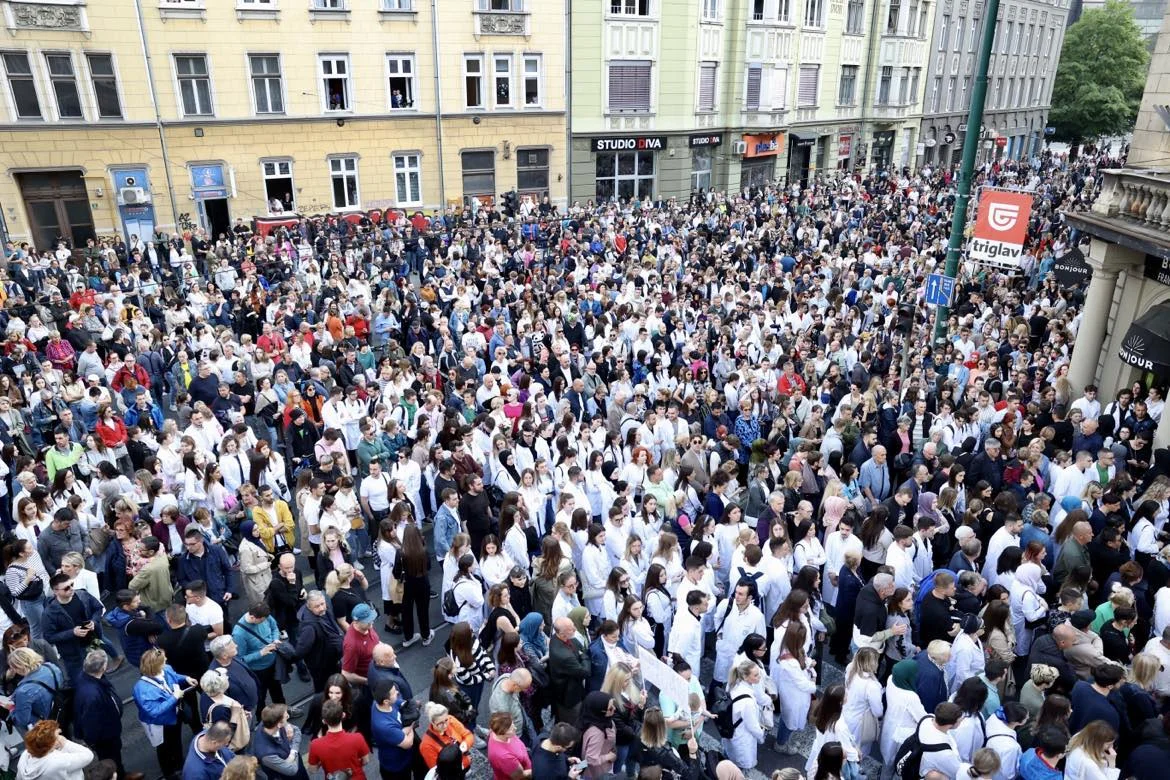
185	649
569	669
318	639
871	613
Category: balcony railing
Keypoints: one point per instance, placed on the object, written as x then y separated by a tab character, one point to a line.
1140	196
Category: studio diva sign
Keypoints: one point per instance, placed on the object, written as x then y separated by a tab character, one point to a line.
632	143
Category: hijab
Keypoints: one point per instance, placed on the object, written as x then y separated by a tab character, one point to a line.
531	637
926	508
834	509
593	712
905	674
580	617
509	464
1028	576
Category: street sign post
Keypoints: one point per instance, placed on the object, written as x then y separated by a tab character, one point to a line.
940	289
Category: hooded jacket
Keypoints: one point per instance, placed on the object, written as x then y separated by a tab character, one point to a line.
67	762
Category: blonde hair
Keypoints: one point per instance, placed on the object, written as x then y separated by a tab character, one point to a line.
1093	738
152	663
336	579
618	680
24	661
1044	675
240	768
865	664
1121	597
740	672
1145	668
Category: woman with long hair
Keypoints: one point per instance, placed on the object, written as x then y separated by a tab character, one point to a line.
27	581
831	727
446	691
388	549
412	565
635	629
660	607
794	678
1091	752
345	592
473	665
863	699
629	703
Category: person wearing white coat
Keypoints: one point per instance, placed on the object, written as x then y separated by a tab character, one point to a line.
745	714
904	710
686	633
469	596
1002	738
837	545
795	680
595	568
734	619
968	658
1026	605
863	708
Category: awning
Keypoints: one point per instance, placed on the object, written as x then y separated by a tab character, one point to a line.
1147	342
1072	269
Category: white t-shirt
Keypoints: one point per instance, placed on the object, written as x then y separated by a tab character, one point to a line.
376	490
209	614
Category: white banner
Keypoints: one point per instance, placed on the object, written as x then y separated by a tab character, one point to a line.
662	677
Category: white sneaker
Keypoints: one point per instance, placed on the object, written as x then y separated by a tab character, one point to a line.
410	642
430	638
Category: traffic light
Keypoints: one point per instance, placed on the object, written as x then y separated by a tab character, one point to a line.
511	203
905	321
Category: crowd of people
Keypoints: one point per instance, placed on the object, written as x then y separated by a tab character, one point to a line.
712	432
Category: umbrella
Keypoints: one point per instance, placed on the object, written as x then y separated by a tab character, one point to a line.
1071	269
1147	342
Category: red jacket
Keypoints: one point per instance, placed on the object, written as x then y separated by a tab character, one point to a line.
139	373
111	437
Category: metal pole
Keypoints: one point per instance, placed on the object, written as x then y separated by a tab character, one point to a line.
970	148
438	108
162	136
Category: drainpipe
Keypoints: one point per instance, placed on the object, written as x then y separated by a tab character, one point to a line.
162	137
867	90
438	104
568	103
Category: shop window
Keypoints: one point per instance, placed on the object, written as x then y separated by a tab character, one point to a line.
625	175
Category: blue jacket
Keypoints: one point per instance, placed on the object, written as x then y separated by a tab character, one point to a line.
213	568
1032	767
58	627
446	526
199	766
97	710
932	685
156	706
250	644
31	702
135	641
134	415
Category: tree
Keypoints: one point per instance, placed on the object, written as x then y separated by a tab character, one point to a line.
1101	75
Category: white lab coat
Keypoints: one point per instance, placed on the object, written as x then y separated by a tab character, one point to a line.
739	623
796	687
1000	541
968	660
968	735
903	711
1006	745
595	570
749	733
838	732
863	702
1080	766
686	638
469	597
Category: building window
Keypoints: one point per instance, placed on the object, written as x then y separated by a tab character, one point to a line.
630	7
935	93
758	10
400	68
915	75
701	168
629	87
903	86
501	5
753	87
533	81
951	82
707	73
847	92
814	13
855	17
194	84
105	85
335	82
64	80
397	5
912	18
974	33
344	173
779	88
278	186
328	5
997	95
266	87
885	81
710	10
1048	42
479	173
808	86
407	177
502	80
625	175
532	171
784	12
892	18
966	89
944	33
473	80
21	84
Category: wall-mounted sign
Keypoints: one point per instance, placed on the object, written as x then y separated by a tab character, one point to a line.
705	139
764	145
948	138
635	143
1001	141
208	182
844	146
1158	269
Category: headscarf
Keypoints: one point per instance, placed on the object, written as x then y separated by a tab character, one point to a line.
247	530
834	509
905	674
726	770
580	618
926	507
1028	575
593	712
1070	503
532	639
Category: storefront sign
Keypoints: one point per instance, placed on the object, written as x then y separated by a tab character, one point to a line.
706	139
1001	141
948	138
639	143
1158	269
208	182
763	145
844	146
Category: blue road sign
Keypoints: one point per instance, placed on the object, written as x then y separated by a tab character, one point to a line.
940	289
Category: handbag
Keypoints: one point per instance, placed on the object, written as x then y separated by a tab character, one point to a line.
539	671
397	589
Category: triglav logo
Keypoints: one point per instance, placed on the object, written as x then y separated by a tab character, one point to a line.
1003	216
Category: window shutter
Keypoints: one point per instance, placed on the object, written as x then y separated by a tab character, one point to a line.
755	76
806	92
706	87
779	87
629	86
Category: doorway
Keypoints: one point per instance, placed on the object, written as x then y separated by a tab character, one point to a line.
216	218
57	204
799	157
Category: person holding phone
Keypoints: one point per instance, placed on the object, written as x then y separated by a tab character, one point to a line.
550	759
157	694
72	623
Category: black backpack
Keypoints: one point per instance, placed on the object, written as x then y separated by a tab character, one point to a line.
451	607
752	581
908	759
722	708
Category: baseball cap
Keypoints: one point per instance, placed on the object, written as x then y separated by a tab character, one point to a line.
364	613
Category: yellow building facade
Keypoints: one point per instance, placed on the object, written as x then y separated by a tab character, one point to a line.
139	116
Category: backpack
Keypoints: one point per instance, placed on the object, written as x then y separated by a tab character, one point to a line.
722	707
908	759
61	708
926	586
451	606
752	581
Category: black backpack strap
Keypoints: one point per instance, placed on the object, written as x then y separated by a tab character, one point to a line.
730	707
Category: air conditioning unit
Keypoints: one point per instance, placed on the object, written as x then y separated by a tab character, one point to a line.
739	147
133	195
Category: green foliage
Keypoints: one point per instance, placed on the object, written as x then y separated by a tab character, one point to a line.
1101	75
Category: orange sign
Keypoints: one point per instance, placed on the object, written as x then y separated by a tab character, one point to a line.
1001	227
763	145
